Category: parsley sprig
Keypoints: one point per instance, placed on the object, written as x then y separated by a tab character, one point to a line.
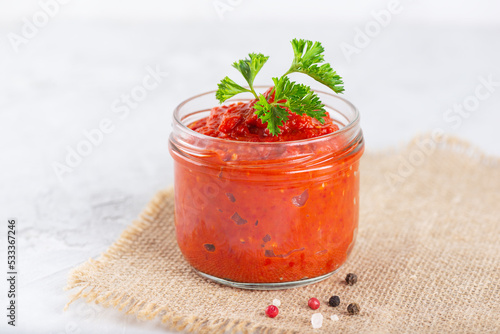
289	96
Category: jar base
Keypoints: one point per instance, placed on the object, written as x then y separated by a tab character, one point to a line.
267	286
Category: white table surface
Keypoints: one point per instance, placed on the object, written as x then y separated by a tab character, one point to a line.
64	81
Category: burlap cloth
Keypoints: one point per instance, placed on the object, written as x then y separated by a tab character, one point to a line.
427	258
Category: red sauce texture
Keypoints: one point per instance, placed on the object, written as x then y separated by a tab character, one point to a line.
238	121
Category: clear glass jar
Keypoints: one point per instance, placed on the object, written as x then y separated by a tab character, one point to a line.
266	215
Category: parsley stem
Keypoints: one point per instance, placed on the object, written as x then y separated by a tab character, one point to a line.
292	69
253	92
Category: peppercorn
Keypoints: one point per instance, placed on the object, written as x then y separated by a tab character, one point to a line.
314	303
334	301
351	279
272	311
353	308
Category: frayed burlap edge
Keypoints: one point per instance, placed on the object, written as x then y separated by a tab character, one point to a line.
126	303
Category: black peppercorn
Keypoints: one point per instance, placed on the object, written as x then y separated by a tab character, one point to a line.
353	308
334	301
351	279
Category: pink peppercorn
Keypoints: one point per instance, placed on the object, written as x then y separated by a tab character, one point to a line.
313	303
272	311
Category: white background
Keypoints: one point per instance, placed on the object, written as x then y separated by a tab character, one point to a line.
63	80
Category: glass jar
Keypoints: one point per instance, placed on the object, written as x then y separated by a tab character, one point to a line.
263	215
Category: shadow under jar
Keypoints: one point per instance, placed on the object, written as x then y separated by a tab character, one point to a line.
266	215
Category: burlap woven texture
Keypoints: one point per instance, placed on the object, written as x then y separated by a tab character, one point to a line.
427	258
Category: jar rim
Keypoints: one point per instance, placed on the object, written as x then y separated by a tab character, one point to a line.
352	122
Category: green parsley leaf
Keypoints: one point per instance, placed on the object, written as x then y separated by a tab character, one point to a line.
272	114
289	96
299	98
250	67
307	59
326	75
313	53
227	89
